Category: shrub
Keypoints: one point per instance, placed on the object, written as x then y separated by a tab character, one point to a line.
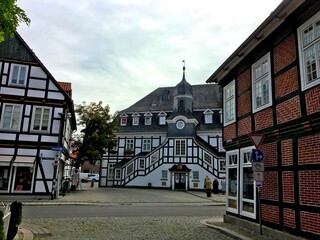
15	219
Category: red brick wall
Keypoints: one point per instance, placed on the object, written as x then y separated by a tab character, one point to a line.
229	132
309	149
270	189
263	119
309	184
310	222
288	110
244	126
313	100
289	218
286	83
288	187
270	213
286	152
244	104
270	154
284	53
244	82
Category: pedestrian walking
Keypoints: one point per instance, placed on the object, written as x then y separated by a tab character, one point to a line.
215	186
208	185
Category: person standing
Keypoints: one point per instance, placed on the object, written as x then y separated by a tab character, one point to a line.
215	186
207	185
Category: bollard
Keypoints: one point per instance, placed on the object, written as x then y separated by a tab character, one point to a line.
92	183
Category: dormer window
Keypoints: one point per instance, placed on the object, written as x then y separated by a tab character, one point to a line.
162	118
123	119
135	119
208	116
148	118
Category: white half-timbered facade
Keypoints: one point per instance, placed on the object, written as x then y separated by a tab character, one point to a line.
36	121
169	139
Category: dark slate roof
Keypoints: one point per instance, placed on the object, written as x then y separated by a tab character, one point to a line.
204	96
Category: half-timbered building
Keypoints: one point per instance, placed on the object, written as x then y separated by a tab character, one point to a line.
271	89
171	139
36	121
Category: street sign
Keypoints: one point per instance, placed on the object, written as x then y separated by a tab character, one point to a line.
256	139
258	166
257	155
56	148
258	176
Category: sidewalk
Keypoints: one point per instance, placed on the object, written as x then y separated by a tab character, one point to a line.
234	227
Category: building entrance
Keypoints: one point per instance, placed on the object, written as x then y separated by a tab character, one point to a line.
180	181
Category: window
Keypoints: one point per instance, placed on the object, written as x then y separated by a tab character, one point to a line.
4	177
110	170
11	117
309	52
41	119
162	118
232	180
154	158
18	75
181	106
148	118
23	178
208	116
195	175
207	158
146	145
117	173
135	119
141	163
164	174
261	84
229	103
222	165
123	119
129	144
247	186
130	169
180	149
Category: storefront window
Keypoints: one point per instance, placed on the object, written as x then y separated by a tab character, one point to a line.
233	182
23	179
4	177
248	191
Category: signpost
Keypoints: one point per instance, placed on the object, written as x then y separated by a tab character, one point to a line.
258	167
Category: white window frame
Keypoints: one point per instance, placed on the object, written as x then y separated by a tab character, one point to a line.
110	170
313	44
146	145
232	165
195	175
208	116
263	77
164	175
41	119
135	119
117	174
180	147
162	118
129	169
24	79
207	158
154	158
142	164
222	165
147	120
243	164
123	119
229	98
130	144
12	117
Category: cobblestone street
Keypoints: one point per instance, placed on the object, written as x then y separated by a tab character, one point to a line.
125	228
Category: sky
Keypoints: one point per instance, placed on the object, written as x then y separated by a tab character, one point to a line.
118	51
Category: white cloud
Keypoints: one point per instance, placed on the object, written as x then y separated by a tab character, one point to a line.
118	51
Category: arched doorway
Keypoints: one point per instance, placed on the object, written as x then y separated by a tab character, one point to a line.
179	177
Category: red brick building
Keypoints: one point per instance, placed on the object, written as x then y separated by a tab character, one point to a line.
271	86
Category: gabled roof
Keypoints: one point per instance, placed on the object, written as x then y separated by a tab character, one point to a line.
204	96
277	17
66	86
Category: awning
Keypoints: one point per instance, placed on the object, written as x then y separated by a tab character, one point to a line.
5	160
24	161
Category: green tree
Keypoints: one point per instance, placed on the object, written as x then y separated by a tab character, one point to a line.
10	17
97	133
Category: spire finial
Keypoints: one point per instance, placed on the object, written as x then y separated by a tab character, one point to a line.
184	69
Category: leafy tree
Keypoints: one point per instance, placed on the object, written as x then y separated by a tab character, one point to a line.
97	133
10	17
